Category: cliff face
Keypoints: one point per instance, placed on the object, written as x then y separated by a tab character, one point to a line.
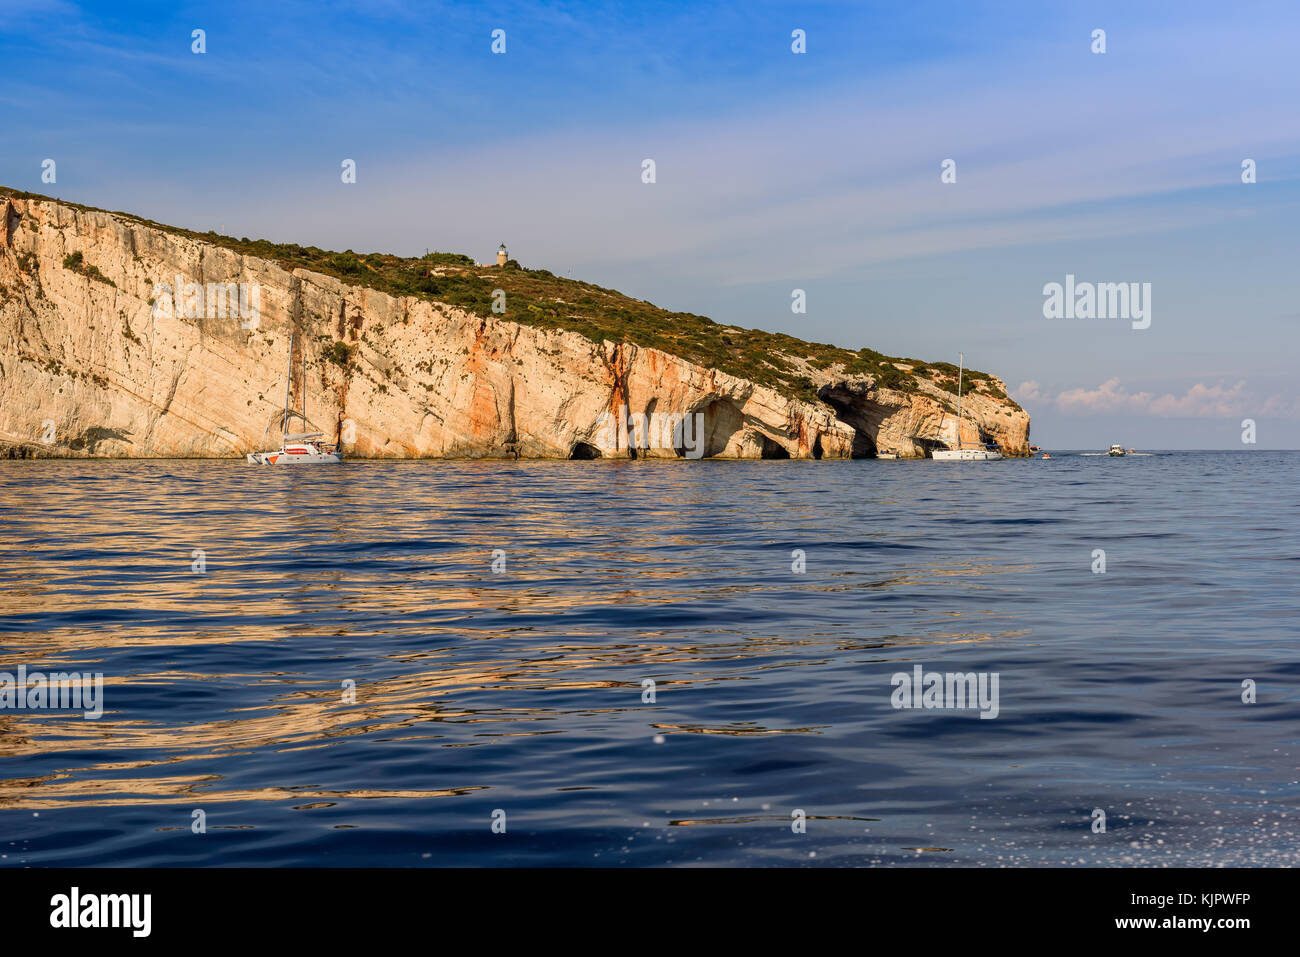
97	358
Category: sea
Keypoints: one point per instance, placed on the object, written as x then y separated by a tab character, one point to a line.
1083	662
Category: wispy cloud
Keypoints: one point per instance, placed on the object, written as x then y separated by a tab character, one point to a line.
815	188
1202	400
775	170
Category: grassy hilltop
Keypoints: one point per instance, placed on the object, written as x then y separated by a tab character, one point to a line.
537	297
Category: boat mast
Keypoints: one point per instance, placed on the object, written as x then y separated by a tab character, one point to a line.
288	381
961	362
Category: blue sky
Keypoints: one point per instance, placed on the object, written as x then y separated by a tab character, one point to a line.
775	171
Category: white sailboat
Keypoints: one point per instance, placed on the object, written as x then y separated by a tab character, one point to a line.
296	448
961	454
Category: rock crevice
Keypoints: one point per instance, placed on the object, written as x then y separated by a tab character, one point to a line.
394	376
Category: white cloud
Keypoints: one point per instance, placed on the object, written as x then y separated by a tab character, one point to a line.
1209	401
818	188
1029	392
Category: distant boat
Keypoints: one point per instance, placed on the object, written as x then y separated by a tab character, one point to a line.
960	454
1116	450
1047	455
296	448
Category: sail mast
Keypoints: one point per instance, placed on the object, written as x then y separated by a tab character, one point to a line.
961	363
288	381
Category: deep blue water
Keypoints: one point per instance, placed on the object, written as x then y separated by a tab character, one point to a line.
521	691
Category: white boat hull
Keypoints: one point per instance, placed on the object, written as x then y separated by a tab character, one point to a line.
965	455
297	448
959	454
292	456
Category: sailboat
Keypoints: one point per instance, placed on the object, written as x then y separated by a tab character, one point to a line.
960	454
296	448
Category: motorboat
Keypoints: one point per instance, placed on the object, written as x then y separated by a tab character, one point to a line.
1116	450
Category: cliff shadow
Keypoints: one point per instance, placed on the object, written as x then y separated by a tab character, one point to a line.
858	413
12	219
722	420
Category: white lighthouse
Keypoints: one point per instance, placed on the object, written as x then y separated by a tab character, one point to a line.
501	255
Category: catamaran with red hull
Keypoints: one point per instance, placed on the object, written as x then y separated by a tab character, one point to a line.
297	448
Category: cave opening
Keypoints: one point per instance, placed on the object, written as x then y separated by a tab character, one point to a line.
584	451
722	420
858	413
864	447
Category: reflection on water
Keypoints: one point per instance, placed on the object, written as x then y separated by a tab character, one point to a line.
340	677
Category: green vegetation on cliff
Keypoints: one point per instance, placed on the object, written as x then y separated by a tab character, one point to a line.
537	297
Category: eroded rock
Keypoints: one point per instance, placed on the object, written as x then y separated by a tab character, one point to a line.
90	367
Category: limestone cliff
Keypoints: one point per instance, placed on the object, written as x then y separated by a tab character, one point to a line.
99	358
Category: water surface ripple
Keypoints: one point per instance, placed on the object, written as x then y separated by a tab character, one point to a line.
522	690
